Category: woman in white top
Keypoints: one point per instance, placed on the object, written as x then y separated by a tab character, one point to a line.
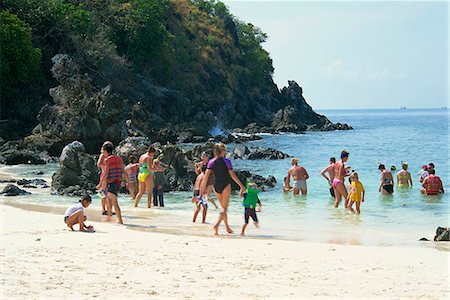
75	214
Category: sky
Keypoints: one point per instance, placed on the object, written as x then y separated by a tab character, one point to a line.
357	54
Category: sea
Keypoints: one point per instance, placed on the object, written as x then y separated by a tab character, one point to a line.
389	136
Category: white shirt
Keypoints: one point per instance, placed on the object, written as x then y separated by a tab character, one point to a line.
73	209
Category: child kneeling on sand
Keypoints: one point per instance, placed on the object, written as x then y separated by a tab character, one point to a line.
200	201
75	214
250	201
357	193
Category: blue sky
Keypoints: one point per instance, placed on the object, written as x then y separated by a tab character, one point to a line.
357	54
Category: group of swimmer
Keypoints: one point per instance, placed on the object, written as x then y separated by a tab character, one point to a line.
215	175
336	172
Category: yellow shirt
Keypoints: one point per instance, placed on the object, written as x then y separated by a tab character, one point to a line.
356	192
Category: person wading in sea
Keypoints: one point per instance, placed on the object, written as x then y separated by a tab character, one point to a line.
340	172
300	175
330	170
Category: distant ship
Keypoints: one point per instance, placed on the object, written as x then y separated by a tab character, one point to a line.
402	107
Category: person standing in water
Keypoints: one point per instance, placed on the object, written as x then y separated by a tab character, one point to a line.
132	171
223	170
102	188
432	185
146	176
300	175
340	172
199	168
404	179
387	181
330	170
113	176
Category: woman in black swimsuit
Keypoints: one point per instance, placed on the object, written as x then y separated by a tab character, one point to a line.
223	171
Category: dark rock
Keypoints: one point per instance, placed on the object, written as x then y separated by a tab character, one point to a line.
12	190
8	181
15	157
244	152
78	173
132	146
31	182
30	186
261	182
240	139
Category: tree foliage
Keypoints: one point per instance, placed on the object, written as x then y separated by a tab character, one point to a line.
20	61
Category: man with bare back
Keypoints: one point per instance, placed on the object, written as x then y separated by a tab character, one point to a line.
300	175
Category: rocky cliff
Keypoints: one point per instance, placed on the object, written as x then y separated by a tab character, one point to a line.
168	70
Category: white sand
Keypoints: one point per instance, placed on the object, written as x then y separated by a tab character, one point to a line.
40	258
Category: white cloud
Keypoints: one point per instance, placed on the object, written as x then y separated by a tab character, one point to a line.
338	69
385	74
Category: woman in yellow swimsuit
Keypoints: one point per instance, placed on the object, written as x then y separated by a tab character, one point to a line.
404	177
145	177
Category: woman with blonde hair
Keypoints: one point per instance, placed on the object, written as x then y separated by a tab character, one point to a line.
223	171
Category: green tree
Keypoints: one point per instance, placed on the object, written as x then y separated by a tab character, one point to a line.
255	58
20	61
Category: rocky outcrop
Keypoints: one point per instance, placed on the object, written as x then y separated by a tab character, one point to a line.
16	157
244	152
261	182
78	173
33	183
90	113
12	190
132	146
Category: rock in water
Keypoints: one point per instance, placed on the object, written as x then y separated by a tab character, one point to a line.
132	146
244	152
16	157
261	182
12	190
78	173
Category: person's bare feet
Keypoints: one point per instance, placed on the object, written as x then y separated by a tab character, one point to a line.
216	230
71	227
242	234
229	230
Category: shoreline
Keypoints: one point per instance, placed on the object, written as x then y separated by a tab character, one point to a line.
160	223
44	259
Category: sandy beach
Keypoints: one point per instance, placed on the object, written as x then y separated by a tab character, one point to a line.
40	258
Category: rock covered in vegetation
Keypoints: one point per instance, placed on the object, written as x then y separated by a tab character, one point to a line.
12	190
169	70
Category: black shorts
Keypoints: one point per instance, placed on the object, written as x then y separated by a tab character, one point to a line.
113	188
388	188
332	192
250	212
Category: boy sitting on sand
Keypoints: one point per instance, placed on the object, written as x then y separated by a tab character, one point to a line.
357	193
250	201
200	201
75	214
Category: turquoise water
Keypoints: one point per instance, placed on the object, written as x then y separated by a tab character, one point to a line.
389	136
